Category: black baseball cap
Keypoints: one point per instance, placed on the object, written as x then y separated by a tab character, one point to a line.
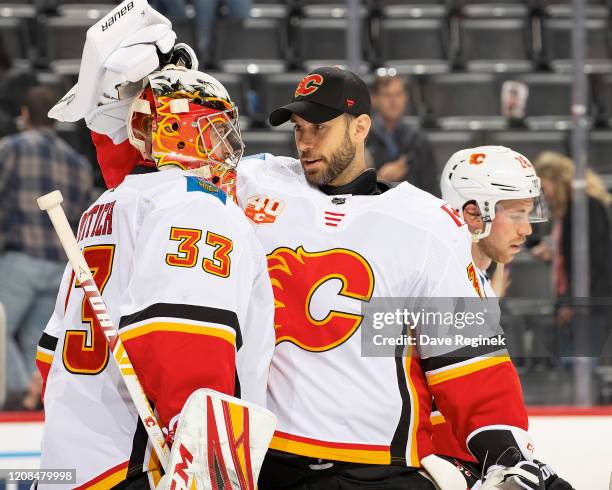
325	94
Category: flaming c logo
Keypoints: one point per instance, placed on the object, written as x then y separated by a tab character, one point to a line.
473	278
296	275
309	85
477	158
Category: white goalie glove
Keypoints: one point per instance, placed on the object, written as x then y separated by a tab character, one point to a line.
525	475
120	50
220	443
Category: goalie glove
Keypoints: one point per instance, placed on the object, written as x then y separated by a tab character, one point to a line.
120	50
552	481
525	475
512	468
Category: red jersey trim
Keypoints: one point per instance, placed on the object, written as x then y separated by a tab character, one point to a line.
108	479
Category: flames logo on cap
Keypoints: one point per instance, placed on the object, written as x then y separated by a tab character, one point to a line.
309	85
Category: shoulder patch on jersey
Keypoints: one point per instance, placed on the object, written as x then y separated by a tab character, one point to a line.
197	184
263	209
453	213
473	278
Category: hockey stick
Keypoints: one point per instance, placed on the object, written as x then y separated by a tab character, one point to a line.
52	204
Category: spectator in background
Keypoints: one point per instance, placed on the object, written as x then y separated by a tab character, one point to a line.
208	13
398	150
556	172
14	83
32	163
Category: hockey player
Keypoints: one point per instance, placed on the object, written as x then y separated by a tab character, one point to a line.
336	238
498	194
184	279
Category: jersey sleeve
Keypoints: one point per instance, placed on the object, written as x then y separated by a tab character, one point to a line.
47	344
475	386
255	355
181	314
115	161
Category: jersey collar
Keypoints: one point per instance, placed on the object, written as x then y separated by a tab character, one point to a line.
364	185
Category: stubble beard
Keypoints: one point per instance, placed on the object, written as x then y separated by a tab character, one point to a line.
334	165
496	253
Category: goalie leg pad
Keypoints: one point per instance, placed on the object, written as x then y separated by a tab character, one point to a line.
220	443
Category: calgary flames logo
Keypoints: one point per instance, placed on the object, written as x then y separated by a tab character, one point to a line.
473	278
309	85
477	158
296	275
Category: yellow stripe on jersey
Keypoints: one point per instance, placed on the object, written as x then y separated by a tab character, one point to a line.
452	373
43	357
437	419
333	453
414	408
178	327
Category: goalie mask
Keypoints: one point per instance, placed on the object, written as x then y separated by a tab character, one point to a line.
487	175
186	119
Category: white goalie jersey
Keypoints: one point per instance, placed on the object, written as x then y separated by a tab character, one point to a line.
186	283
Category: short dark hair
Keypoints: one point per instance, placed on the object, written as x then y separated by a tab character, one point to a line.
38	101
382	81
348	118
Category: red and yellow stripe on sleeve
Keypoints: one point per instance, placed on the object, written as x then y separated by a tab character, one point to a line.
44	357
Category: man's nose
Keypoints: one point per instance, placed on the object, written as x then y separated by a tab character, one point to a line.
304	142
525	229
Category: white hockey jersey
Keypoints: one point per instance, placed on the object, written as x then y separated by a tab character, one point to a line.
327	257
186	282
444	440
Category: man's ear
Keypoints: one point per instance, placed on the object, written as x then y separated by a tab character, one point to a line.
471	216
362	127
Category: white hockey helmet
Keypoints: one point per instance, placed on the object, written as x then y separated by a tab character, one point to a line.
489	174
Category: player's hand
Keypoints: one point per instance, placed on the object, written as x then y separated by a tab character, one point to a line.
530	475
120	49
526	475
552	481
125	46
123	83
